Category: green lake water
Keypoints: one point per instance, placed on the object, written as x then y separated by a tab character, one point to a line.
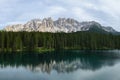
61	65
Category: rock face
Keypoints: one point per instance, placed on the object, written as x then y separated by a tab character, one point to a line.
60	25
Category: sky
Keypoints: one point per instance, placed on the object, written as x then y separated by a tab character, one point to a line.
106	12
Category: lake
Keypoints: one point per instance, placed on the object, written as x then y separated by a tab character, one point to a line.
61	65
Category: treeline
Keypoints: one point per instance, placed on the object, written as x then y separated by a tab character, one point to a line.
30	41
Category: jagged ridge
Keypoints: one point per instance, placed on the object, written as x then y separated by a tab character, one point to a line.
60	25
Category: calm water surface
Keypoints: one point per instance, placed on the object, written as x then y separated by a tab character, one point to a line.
61	65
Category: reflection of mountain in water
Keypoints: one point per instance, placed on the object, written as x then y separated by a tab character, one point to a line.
67	61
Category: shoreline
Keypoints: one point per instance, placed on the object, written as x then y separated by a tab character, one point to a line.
44	50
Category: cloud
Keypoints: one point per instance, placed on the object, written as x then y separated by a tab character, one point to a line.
107	12
81	14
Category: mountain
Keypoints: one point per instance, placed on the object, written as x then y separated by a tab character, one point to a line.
60	25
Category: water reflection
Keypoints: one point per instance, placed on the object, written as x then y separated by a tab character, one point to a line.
60	61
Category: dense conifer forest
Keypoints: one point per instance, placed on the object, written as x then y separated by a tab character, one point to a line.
32	41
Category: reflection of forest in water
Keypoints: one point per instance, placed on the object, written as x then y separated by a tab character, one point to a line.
62	61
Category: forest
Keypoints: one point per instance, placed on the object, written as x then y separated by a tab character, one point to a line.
36	41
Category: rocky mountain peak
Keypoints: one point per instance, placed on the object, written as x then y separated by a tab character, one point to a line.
59	25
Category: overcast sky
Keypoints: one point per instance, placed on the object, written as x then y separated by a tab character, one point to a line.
106	12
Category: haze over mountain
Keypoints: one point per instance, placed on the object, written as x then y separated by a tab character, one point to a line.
59	25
